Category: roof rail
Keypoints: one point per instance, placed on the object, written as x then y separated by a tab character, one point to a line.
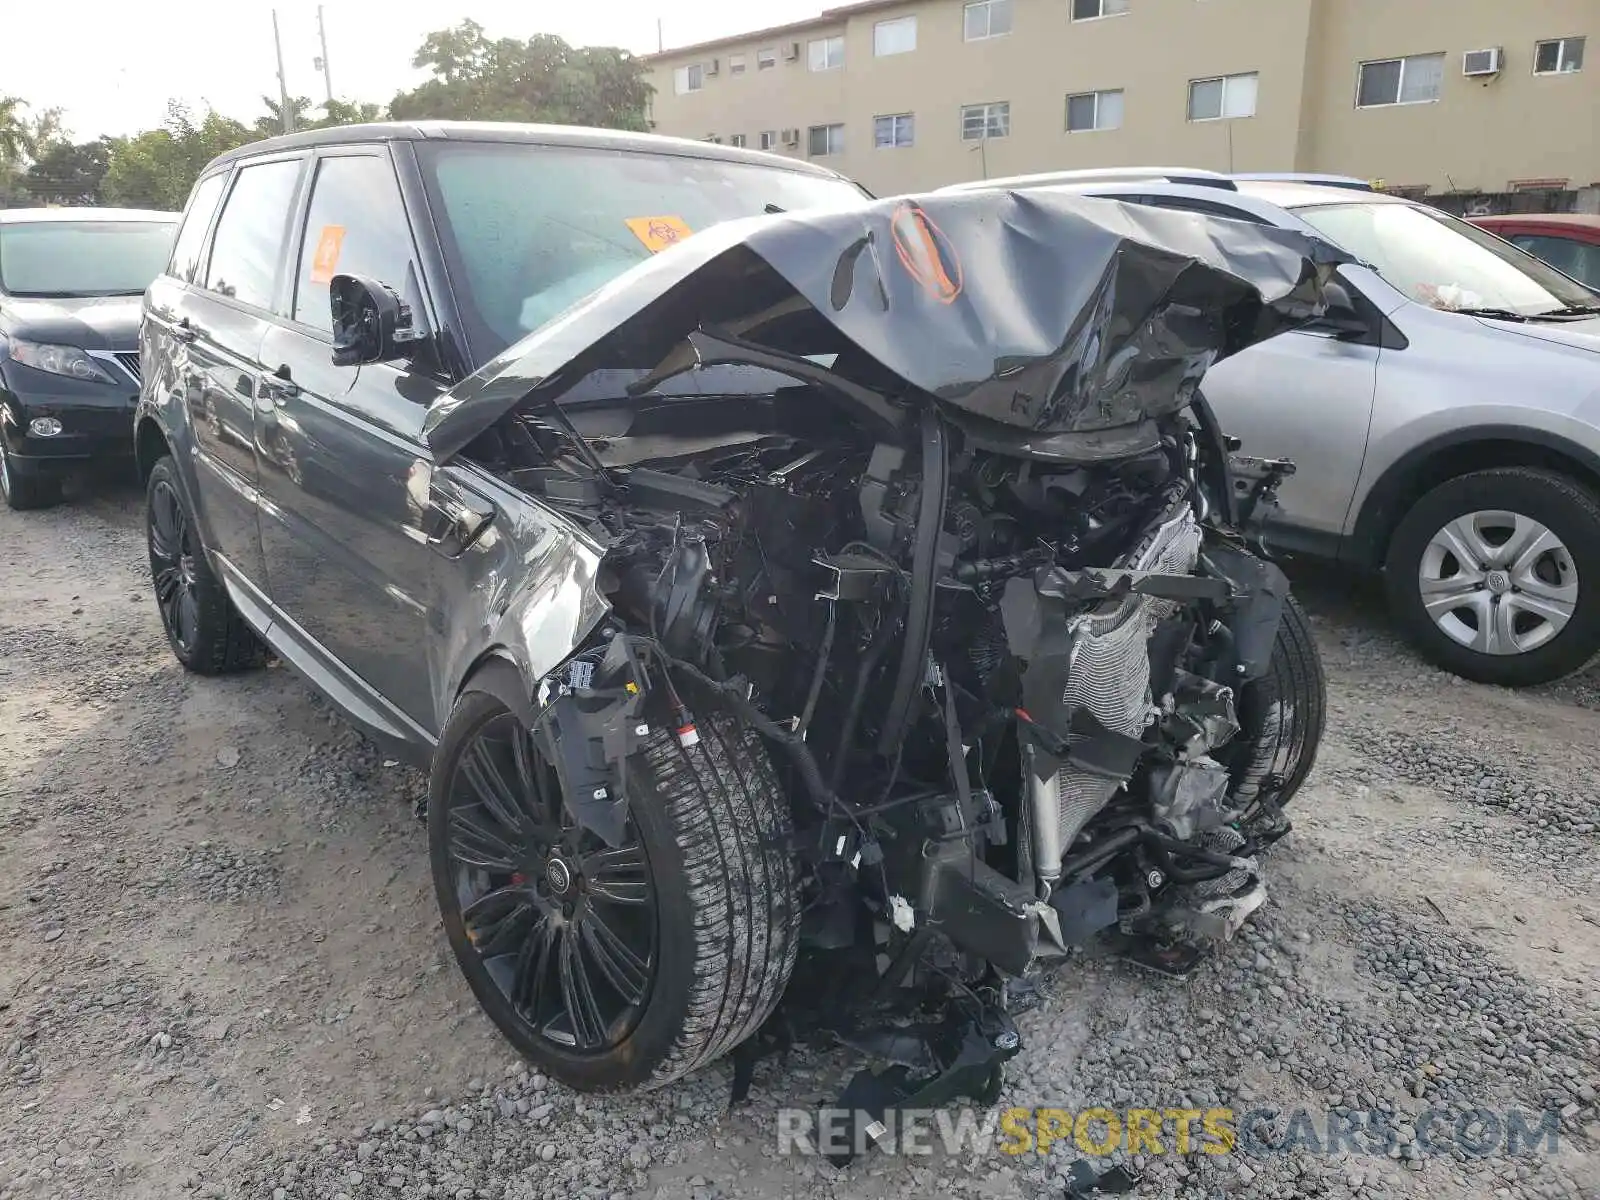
1339	181
1193	176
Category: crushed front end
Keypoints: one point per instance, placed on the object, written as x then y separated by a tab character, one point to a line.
927	495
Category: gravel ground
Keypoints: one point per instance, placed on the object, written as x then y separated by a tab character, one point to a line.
221	973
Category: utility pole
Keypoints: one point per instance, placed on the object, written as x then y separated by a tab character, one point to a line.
661	43
322	63
285	113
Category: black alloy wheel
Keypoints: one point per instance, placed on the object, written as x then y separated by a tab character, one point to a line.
205	631
172	566
563	925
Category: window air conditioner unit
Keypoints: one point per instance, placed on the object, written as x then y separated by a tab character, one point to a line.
791	52
1475	64
713	66
791	137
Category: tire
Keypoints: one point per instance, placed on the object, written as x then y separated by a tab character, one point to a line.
23	490
1281	718
1542	613
205	631
706	846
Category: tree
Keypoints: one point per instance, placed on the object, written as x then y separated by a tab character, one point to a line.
64	173
476	78
157	168
345	112
271	125
15	134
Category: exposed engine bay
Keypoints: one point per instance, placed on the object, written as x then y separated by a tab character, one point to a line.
1024	682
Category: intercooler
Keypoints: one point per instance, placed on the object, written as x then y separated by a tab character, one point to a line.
1109	675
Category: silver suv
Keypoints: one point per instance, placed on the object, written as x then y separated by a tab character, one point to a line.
1445	423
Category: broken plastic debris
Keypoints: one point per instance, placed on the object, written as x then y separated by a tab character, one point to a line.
901	913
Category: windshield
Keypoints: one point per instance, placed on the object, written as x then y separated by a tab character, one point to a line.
1442	262
530	230
82	258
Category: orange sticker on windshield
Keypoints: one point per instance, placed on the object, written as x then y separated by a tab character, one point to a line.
657	233
326	260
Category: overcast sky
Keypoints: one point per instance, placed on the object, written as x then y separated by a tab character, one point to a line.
113	66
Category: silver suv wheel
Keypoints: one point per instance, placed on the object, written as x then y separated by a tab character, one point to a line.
1498	582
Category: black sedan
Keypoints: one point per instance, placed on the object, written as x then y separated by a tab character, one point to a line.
70	283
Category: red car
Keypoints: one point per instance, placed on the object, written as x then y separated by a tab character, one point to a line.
1569	242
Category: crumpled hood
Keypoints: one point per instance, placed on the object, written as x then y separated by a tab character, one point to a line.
1044	313
90	323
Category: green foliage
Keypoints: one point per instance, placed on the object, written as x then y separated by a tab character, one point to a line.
474	78
157	169
543	79
66	173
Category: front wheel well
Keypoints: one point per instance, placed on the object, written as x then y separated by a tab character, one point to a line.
150	446
1430	465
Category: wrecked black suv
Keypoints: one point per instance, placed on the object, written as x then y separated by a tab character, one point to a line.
771	578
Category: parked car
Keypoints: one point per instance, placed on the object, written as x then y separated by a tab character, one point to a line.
770	499
70	282
1569	242
1445	423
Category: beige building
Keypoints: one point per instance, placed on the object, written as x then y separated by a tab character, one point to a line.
1468	95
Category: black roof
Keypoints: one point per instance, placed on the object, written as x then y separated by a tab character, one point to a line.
533	135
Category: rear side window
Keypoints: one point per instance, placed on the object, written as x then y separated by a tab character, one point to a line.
1581	260
355	225
251	233
187	250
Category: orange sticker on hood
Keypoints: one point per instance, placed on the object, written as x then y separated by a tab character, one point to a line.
330	242
657	233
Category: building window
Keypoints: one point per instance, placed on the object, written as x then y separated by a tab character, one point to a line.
1559	57
986	19
689	79
826	54
1088	111
980	121
898	36
1092	10
766	58
1223	98
826	139
769	138
893	132
735	64
737	139
1414	80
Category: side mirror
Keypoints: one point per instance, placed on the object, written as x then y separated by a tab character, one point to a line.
1342	316
371	324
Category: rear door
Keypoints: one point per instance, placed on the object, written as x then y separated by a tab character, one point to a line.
344	474
222	322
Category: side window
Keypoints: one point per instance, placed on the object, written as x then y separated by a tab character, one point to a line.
1580	260
251	233
192	237
356	225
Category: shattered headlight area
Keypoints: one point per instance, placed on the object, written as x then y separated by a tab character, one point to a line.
927	498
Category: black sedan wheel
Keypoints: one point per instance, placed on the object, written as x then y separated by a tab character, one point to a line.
623	965
204	630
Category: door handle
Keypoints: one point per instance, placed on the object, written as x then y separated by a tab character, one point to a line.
454	517
280	385
184	331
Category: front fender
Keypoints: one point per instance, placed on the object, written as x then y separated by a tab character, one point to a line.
524	593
